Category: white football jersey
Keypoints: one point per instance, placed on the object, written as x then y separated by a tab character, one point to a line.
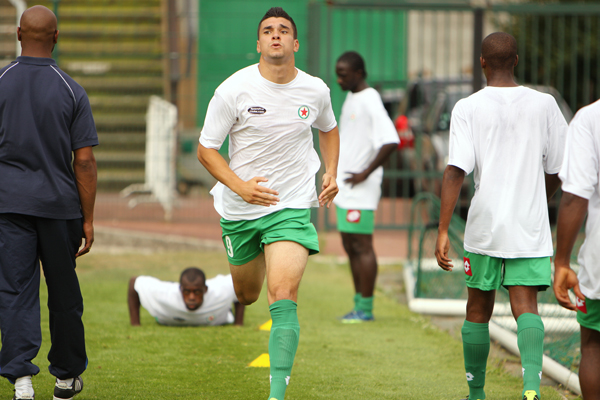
508	137
580	175
364	128
269	128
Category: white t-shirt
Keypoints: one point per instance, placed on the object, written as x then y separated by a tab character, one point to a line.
580	175
269	128
164	301
508	137
364	128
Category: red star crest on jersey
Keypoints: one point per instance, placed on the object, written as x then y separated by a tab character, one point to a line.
467	264
303	112
581	305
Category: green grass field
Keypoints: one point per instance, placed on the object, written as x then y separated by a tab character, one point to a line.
399	356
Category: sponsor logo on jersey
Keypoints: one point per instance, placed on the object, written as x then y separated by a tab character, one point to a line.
581	305
257	110
303	112
467	264
353	216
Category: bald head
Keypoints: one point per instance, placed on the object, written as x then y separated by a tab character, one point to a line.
38	31
499	50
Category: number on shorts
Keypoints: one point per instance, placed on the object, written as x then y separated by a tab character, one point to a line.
228	246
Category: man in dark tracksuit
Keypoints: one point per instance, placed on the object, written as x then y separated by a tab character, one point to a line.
47	195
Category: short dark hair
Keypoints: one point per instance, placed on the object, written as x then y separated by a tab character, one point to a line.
278	12
499	50
191	274
355	61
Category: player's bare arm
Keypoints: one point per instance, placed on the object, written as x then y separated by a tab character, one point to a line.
239	313
133	302
451	184
384	152
84	167
330	150
552	184
251	191
571	215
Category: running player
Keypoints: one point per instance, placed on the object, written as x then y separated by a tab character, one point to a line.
512	139
193	301
367	138
580	185
265	194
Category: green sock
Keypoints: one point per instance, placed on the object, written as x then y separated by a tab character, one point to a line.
357	298
283	342
366	305
476	347
530	338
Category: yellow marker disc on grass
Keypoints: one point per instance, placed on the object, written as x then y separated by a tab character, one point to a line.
261	361
266	326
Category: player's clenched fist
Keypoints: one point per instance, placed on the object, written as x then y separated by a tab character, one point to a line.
329	190
254	193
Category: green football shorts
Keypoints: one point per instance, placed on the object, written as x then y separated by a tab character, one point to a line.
588	313
245	240
488	273
355	221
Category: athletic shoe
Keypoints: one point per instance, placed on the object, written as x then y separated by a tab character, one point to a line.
345	316
531	395
24	387
357	317
25	396
64	392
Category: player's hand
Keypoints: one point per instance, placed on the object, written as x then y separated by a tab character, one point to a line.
88	235
329	189
442	247
254	193
355	179
564	279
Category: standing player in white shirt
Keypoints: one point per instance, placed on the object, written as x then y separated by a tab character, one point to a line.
512	139
581	195
265	194
367	138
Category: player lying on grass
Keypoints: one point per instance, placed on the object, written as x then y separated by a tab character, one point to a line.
512	139
194	301
265	193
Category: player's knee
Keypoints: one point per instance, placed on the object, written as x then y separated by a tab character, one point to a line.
362	246
246	297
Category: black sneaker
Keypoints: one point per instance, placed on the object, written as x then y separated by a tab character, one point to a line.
64	392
